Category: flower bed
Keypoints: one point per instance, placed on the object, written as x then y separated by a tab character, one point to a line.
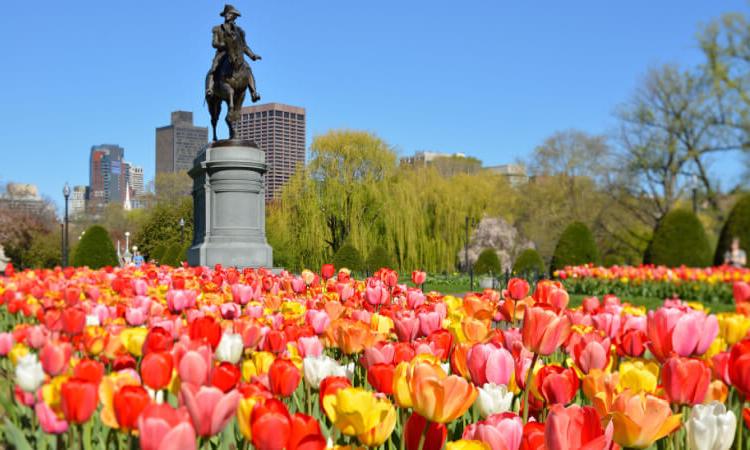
708	285
185	358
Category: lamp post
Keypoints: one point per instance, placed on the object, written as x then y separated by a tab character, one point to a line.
127	256
466	256
182	231
694	188
66	194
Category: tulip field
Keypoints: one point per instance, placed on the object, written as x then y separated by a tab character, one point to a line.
186	358
709	285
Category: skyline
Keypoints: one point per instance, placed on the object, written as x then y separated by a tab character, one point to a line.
491	81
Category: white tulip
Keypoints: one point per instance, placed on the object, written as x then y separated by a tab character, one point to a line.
711	427
316	368
29	373
230	348
494	399
92	321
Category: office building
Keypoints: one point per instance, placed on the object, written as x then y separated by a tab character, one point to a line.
514	173
279	130
178	143
78	196
26	198
107	175
135	181
424	158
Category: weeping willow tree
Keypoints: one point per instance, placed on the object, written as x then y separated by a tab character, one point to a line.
353	192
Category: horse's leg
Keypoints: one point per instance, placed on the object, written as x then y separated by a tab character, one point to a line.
214	108
230	109
254	96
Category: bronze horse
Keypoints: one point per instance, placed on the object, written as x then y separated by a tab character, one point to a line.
232	78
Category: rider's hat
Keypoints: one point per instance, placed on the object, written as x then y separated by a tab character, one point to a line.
229	9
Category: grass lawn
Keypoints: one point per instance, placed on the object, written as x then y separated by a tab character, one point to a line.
653	303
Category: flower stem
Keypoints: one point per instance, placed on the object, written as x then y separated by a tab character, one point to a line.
527	387
423	436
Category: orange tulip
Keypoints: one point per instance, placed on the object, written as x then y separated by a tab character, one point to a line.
543	330
351	337
437	397
641	419
601	389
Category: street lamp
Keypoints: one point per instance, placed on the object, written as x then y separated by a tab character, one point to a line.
182	231
66	194
694	188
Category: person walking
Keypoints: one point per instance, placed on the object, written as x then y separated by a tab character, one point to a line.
735	256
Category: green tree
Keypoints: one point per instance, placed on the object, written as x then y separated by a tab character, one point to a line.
679	240
161	226
349	257
736	226
44	252
449	166
173	255
95	249
158	252
379	258
528	261
487	263
575	246
172	187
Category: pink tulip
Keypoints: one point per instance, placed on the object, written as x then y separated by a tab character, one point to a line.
254	311
6	343
406	327
415	298
54	357
242	293
590	351
608	323
230	311
210	409
576	428
140	287
362	315
429	322
376	295
318	320
590	304
194	366
298	285
310	346
418	277
178	300
346	292
489	364
672	331
37	336
135	316
162	427
48	419
381	353
500	431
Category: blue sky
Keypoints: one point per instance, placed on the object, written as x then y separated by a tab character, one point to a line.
489	78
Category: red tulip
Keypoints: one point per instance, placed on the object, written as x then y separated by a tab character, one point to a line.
305	434
720	367
518	288
576	428
418	277
543	330
271	425
225	376
632	343
124	362
435	436
380	377
162	427
739	366
533	437
327	271
54	357
685	380
79	399
158	340
128	404
556	384
156	370
206	329
73	321
89	370
284	377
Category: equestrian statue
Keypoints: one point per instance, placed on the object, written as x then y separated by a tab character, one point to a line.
230	74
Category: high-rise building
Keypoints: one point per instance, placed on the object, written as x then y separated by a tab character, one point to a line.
135	181
107	175
78	200
179	143
26	198
279	130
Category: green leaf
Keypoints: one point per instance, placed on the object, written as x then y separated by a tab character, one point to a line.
15	436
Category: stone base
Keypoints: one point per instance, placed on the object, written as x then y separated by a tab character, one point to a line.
229	207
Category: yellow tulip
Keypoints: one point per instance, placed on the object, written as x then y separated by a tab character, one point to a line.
51	393
465	444
107	388
381	324
263	361
244	411
378	435
132	339
639	376
733	327
248	370
17	352
355	411
292	310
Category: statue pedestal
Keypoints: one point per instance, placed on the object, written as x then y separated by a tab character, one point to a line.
229	206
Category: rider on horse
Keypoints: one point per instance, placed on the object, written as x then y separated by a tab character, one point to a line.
226	37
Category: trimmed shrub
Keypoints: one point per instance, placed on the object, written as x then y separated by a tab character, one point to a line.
737	225
95	249
488	262
529	261
349	257
158	252
172	255
679	239
576	246
379	258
